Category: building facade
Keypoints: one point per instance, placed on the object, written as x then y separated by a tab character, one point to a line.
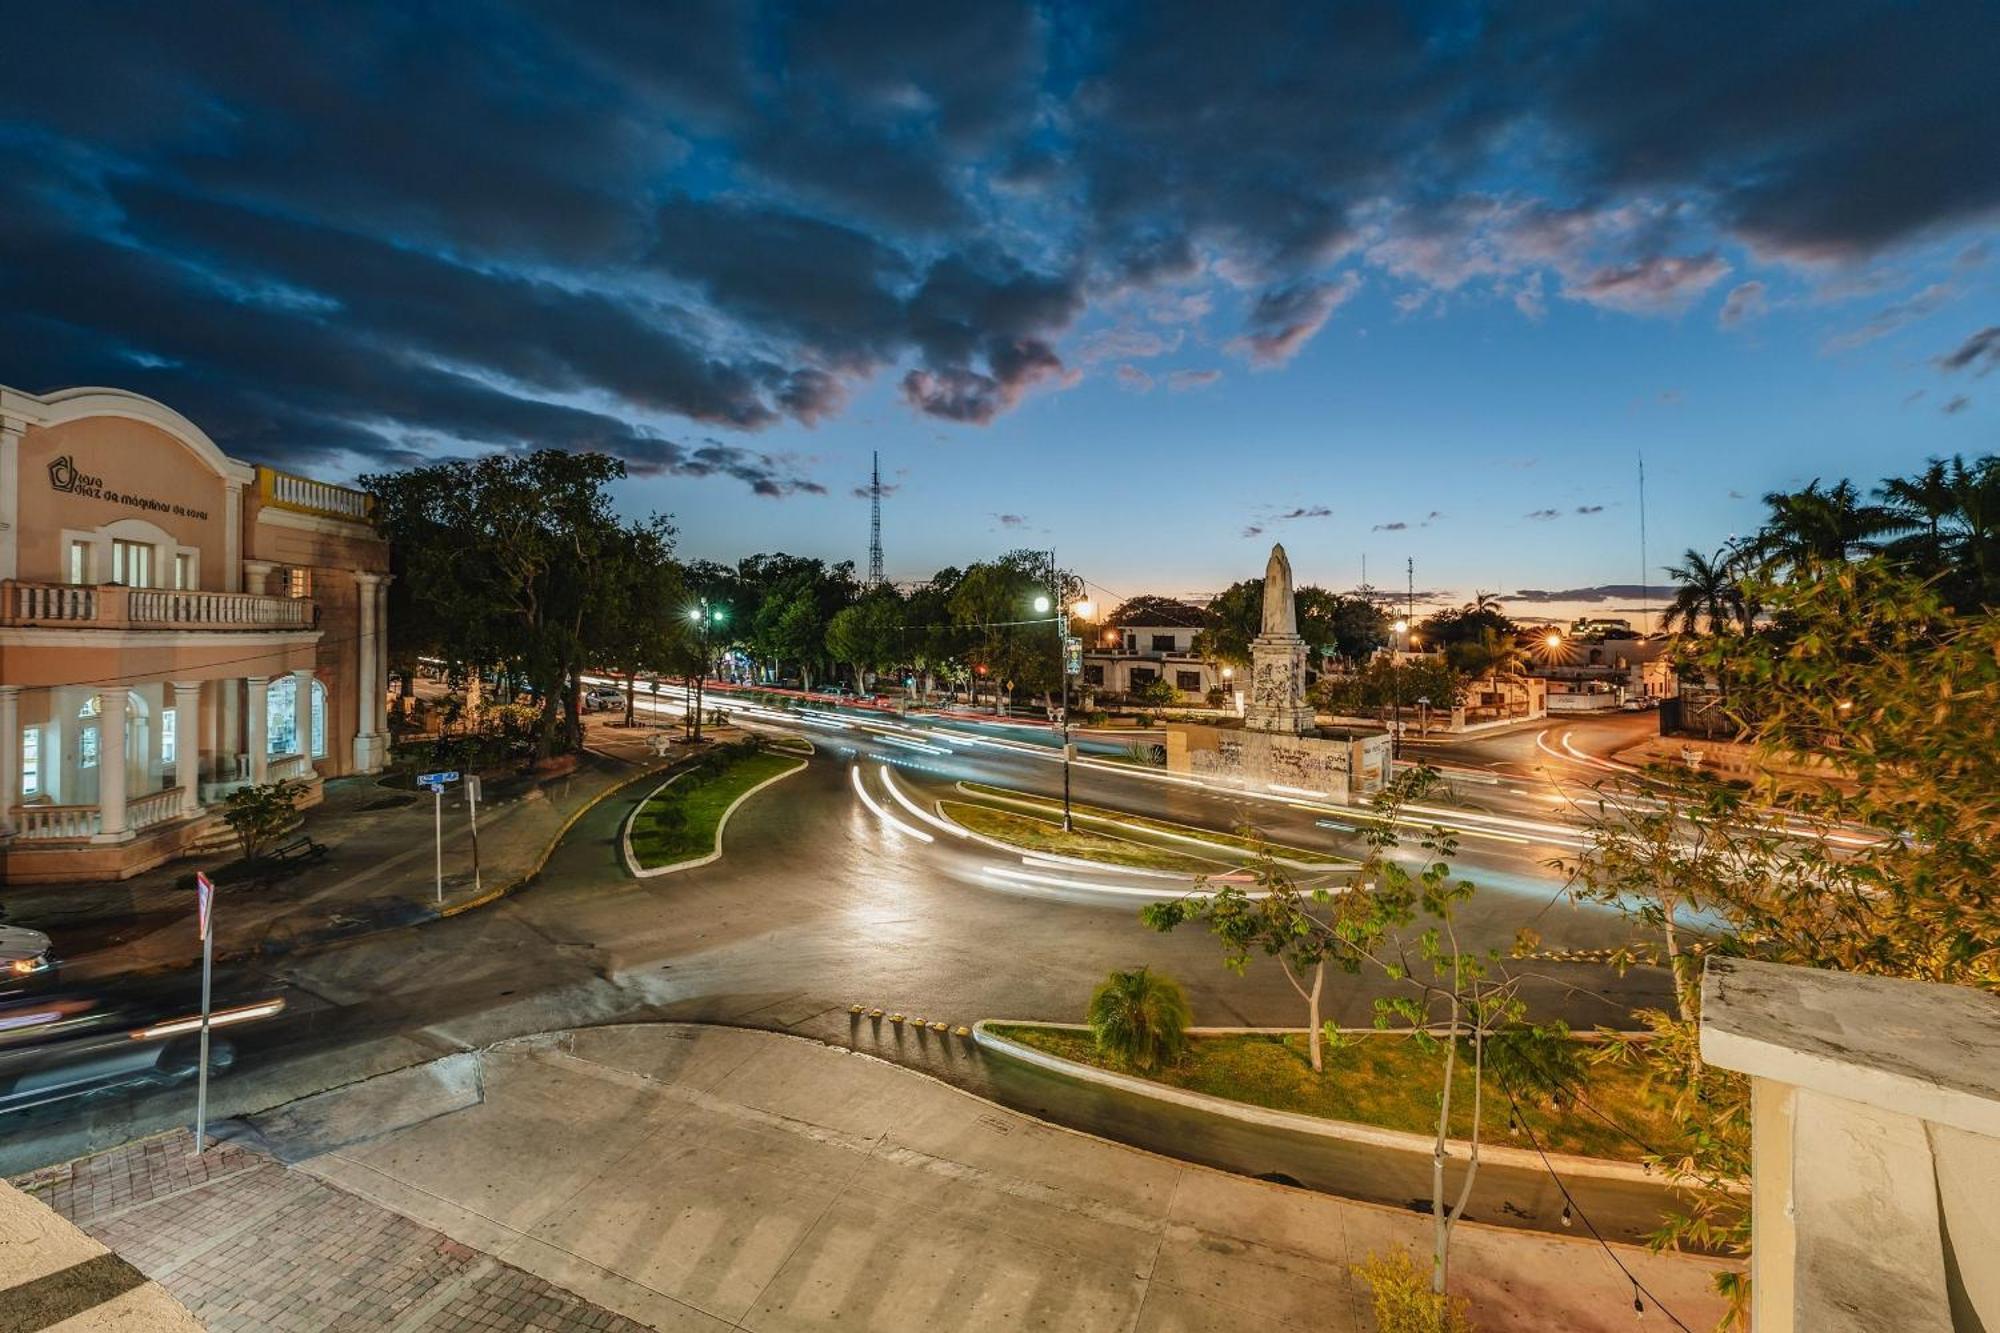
1125	658
174	625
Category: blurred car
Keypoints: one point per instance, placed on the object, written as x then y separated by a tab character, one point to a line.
602	698
58	1046
26	962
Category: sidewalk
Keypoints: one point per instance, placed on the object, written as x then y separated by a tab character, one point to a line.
703	1178
380	871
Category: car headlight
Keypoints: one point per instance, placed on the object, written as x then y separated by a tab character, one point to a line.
22	967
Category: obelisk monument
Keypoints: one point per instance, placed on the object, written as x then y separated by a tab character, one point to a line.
1278	659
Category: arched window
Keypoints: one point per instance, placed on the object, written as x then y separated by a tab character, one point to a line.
318	728
281	716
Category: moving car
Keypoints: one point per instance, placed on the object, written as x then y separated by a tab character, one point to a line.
26	963
58	1046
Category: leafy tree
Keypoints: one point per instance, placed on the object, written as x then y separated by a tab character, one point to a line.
497	558
1150	610
1491	654
1155	693
1327	621
256	814
1945	525
868	635
1466	624
1140	1018
992	606
1813	526
638	598
1380	685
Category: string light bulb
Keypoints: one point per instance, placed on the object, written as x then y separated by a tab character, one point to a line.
1565	1217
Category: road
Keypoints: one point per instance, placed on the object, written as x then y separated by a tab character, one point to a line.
821	902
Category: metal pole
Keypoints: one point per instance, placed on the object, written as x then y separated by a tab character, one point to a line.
472	806
201	1074
437	810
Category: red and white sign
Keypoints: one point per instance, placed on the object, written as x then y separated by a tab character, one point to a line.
205	900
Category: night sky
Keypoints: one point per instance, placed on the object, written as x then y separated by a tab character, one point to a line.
1152	284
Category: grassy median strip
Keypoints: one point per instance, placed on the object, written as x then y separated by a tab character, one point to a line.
678	822
1385	1079
1046	835
1093	814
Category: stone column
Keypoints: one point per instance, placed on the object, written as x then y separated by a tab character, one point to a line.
368	662
256	717
229	713
187	743
257	575
10	756
302	684
111	706
10	502
232	535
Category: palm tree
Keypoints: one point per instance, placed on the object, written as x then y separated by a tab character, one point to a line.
1920	507
1140	1018
1815	526
1709	587
1491	654
1484	601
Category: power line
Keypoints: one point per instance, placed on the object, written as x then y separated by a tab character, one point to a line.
1570	1206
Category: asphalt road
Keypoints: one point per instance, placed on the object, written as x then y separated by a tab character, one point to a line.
819	903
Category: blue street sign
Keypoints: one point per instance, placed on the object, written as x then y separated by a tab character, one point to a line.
434	779
437	788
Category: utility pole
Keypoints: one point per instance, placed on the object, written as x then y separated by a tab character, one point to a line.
1645	599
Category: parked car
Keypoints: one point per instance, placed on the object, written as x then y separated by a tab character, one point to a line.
26	961
603	697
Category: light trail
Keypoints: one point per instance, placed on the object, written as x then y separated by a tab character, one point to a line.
862	791
889	782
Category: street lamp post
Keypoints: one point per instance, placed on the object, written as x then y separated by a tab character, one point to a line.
703	615
1402	628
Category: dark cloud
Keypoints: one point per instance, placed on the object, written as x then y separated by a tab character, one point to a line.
1590	509
1603	592
1893	317
1981	350
1305	511
1011	520
1398	526
372	230
1956	404
1253	530
1543	515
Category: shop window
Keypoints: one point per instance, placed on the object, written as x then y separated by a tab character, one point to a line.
298	582
31	761
79	562
318	728
167	741
131	563
281	716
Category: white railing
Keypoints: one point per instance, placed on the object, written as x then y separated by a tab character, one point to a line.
318	497
153	606
111	606
155	808
50	601
288	767
55	821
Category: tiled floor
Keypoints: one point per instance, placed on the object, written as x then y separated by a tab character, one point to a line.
248	1244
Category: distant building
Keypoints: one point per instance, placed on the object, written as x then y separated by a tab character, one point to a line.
174	625
1119	658
1587	674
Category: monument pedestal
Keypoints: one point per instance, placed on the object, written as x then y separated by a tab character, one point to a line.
1278	685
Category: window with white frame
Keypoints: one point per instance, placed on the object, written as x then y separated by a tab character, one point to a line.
167	740
131	563
281	717
318	728
31	761
86	746
79	562
184	570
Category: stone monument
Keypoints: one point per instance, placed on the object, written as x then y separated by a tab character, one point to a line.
1278	659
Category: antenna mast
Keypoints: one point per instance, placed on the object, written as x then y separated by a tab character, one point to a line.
1645	597
875	521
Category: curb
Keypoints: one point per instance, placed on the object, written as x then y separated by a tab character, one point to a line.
1392	1139
521	881
632	865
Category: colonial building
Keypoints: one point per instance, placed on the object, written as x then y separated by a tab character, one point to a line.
1155	643
174	624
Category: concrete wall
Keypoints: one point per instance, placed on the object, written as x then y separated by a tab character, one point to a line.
1875	1189
1339	768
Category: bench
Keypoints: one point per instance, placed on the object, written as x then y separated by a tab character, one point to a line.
298	851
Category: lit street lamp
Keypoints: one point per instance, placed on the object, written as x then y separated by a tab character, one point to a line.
703	615
1043	603
1402	628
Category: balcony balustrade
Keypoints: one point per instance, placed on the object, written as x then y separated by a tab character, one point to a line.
109	606
322	498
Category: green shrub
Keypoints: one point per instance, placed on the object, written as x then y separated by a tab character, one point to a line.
1139	1018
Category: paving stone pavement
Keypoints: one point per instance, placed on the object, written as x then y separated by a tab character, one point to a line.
247	1243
